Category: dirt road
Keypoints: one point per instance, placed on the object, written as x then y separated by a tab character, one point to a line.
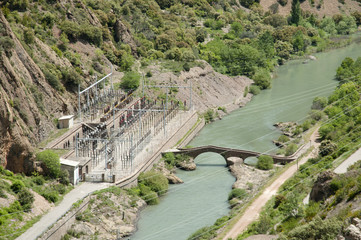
252	212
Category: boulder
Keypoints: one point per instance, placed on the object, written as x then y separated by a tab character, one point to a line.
173	179
313	58
187	166
352	233
321	189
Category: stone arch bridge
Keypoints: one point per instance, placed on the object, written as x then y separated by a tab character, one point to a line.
229	152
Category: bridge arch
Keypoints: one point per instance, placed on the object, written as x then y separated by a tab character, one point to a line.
228	152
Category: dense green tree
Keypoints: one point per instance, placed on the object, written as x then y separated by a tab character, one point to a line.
262	78
299	42
130	80
49	162
296	12
248	3
266	44
165	3
264	162
156	181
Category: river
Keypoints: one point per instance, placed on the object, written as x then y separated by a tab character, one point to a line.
203	197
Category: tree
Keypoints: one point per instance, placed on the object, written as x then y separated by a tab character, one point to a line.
298	42
165	3
266	44
295	12
201	34
29	37
265	162
262	78
130	80
50	163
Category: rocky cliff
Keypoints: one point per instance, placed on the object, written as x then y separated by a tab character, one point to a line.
27	103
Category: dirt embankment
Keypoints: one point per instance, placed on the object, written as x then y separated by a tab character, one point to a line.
319	7
210	89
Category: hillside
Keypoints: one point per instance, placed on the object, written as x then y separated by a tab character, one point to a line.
226	49
49	47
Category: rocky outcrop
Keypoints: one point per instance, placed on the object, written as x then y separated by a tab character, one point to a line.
321	189
352	232
123	34
187	165
247	177
287	128
28	104
173	179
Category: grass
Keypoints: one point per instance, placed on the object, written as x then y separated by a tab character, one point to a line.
53	135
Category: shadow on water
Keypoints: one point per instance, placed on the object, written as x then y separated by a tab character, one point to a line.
211	165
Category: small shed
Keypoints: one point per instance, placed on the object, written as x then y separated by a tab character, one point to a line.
73	169
85	165
66	121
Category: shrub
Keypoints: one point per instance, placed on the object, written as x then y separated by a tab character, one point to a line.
262	78
202	234
60	188
26	199
169	158
39	180
155	181
64	177
186	67
264	162
237	193
29	36
53	80
70	77
130	81
319	103
327	147
149	196
283	139
246	90
317	229
209	116
282	2
6	43
17	186
291	149
50	163
50	196
255	90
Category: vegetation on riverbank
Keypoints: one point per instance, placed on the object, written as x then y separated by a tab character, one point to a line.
286	214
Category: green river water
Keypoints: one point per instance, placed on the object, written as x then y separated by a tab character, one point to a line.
203	197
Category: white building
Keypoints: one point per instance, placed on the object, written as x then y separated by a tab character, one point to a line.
66	121
73	169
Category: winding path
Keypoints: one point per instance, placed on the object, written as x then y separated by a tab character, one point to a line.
252	212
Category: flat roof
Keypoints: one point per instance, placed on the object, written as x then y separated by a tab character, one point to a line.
68	162
66	117
81	160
